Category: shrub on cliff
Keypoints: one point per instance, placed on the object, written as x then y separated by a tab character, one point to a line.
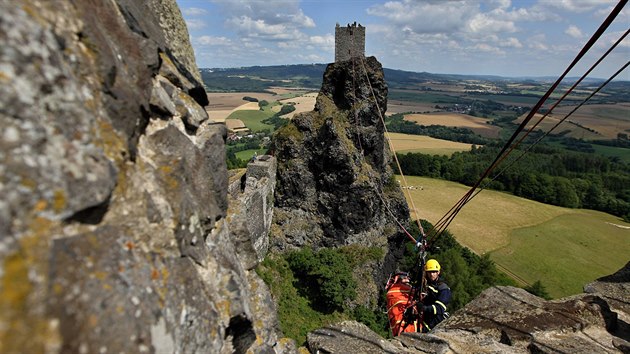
312	288
324	276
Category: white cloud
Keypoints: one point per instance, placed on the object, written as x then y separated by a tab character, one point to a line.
253	28
280	12
538	42
574	32
486	48
483	23
426	17
280	22
212	41
252	44
501	4
326	42
312	58
512	43
608	39
523	14
194	11
195	24
576	5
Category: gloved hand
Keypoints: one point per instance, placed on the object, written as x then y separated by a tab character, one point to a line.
410	314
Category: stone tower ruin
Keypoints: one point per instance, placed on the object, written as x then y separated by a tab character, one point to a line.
349	42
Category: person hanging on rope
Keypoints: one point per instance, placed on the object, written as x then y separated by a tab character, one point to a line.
437	297
399	298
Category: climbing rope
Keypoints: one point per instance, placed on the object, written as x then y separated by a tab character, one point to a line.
523	153
355	101
556	125
445	221
391	147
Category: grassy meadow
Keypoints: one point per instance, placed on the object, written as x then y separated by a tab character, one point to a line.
563	248
610	151
253	118
245	155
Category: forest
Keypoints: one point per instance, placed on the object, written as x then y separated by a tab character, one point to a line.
396	123
545	174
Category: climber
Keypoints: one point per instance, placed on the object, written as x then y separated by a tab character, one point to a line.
436	297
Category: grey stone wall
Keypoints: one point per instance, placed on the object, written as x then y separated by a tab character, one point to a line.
349	42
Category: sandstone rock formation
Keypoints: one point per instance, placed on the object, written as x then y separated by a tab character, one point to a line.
508	320
113	199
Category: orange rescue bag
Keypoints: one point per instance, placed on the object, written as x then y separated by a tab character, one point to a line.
398	300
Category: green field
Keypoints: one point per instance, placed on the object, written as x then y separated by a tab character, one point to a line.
245	155
405	143
507	99
563	248
423	97
611	151
568	251
253	119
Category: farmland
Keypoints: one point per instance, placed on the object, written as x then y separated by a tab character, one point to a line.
223	104
591	122
564	248
476	124
253	118
404	143
302	103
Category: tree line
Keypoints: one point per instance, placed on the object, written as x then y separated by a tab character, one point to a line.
545	174
396	123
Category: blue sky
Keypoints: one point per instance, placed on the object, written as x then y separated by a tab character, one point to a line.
494	37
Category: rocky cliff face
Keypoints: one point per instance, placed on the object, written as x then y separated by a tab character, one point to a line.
335	186
334	183
115	232
113	193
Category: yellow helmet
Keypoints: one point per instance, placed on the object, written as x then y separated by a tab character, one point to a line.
432	265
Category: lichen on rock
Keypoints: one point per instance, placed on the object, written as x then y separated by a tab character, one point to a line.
113	197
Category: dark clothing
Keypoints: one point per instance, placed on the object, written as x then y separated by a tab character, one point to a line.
434	304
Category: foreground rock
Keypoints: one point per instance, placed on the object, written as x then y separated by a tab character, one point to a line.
508	320
113	199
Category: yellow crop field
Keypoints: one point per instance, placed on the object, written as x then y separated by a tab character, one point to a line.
476	124
232	100
397	106
426	145
223	104
597	121
551	120
564	248
303	103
